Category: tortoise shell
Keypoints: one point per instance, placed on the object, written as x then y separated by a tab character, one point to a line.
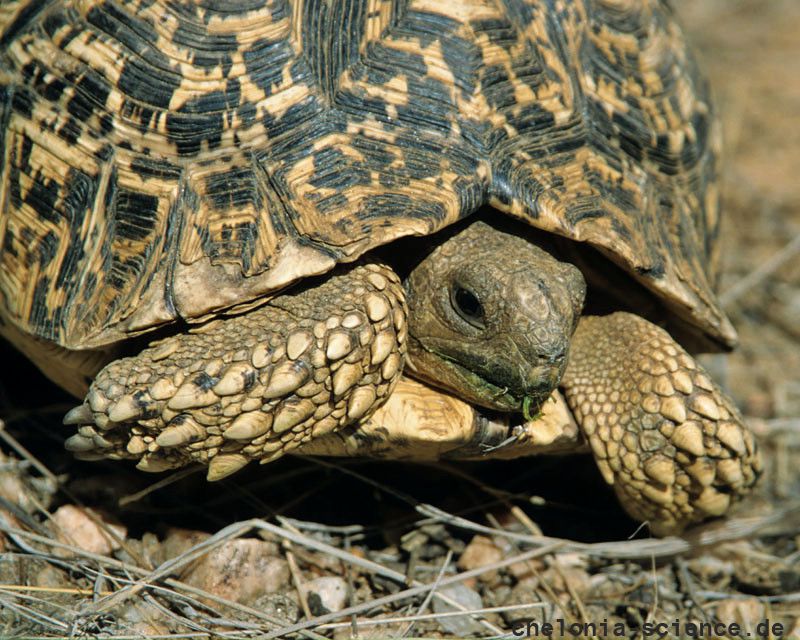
164	160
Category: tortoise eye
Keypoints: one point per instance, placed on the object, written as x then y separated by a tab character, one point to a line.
467	305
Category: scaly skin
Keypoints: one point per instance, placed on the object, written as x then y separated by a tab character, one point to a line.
516	349
666	437
253	386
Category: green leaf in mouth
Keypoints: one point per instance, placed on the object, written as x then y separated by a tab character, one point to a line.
527	401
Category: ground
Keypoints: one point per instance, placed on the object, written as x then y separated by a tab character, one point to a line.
535	542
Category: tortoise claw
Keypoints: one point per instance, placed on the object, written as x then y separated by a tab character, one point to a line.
79	444
79	415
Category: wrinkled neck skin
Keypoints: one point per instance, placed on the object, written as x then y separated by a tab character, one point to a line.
491	316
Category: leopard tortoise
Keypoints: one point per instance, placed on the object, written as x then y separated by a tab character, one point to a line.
202	204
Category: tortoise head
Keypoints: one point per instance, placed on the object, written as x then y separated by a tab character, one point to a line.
491	316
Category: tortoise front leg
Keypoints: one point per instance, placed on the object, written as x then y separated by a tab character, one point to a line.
252	386
663	434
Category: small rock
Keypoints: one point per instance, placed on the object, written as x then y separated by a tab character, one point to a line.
12	521
49	577
429	540
527	568
88	529
574	560
326	594
764	575
148	550
239	570
139	618
462	626
179	541
567	580
481	551
712	570
277	605
525	593
13	487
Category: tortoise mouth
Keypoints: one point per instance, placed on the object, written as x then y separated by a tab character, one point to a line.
487	394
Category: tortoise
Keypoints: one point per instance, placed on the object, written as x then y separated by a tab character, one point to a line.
205	212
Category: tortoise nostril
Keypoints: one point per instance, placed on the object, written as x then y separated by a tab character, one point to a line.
554	357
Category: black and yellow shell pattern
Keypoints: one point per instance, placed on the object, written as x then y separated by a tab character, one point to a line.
164	159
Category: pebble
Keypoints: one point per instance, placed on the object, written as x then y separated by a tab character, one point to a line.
86	529
239	570
326	594
460	626
481	551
